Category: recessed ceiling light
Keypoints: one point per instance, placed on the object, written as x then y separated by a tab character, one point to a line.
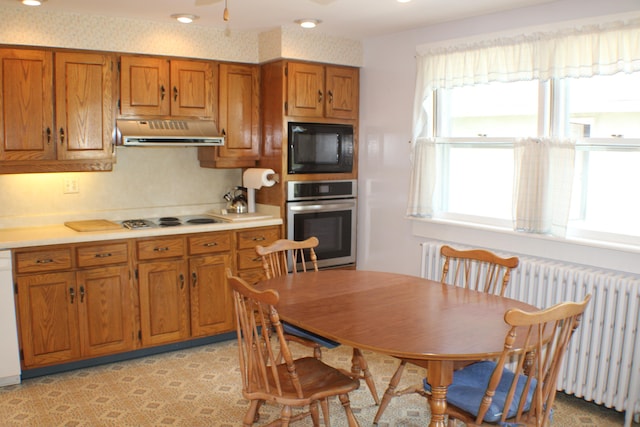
307	23
403	1
184	17
32	2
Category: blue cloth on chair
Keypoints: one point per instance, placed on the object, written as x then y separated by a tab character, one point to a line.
470	383
303	333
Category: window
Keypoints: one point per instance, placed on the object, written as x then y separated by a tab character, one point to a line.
493	110
477	127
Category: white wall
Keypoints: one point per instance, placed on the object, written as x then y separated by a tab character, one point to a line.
387	240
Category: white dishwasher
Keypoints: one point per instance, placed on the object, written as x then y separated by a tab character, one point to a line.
9	353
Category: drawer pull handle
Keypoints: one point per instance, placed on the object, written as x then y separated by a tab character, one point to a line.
259	239
160	249
194	278
181	281
72	294
105	255
210	244
81	293
44	261
257	259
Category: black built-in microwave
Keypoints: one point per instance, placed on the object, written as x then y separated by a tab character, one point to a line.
320	148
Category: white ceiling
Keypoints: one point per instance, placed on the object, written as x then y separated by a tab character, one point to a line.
355	19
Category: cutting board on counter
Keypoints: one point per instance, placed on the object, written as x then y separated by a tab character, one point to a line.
240	217
93	225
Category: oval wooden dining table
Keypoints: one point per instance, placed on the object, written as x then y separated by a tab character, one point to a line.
399	315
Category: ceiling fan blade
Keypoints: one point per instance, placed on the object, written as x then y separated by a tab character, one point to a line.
206	2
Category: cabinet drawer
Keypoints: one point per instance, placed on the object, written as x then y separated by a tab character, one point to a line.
209	243
252	276
115	253
248	258
160	248
47	260
261	236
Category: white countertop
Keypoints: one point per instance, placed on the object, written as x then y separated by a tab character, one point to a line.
23	237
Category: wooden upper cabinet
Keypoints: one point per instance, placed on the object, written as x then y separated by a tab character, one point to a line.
343	88
192	88
322	91
152	86
26	105
239	118
144	86
305	86
84	105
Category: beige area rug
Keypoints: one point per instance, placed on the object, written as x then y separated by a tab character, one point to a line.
201	387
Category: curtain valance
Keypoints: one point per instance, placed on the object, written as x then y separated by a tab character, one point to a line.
590	50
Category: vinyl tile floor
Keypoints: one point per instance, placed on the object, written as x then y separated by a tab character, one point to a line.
201	386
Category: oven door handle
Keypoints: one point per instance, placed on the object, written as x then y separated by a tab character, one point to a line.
321	207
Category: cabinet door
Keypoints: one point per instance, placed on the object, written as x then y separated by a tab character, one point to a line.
144	86
211	303
47	307
105	310
26	105
192	89
342	92
84	106
305	90
163	302
239	110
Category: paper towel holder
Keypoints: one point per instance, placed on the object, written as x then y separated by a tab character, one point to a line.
269	178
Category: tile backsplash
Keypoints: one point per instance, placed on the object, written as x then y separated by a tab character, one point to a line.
144	182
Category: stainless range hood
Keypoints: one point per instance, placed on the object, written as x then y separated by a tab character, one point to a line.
162	133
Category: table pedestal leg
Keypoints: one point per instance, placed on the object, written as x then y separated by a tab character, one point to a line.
438	406
439	376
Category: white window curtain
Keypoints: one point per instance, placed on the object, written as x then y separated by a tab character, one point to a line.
602	49
543	179
423	178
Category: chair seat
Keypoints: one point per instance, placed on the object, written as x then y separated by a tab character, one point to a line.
469	384
317	380
303	333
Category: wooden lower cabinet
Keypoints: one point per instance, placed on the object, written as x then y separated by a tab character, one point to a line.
74	314
248	263
164	304
48	318
210	296
80	301
186	297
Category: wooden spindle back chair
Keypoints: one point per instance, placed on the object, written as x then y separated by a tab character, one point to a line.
284	256
476	269
290	256
294	383
489	392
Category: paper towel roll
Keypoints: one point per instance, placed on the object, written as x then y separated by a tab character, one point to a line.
257	178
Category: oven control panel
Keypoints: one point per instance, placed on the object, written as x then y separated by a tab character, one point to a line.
314	190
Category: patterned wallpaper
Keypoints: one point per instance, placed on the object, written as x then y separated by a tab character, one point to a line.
34	27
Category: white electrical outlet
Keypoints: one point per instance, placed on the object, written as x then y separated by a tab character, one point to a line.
70	185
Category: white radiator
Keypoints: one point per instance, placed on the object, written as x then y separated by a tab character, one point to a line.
599	365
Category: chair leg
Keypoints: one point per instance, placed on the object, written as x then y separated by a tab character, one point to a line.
360	369
346	404
390	391
315	416
324	404
285	416
252	413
